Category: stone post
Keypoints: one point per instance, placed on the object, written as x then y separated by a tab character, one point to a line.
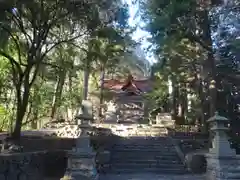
86	113
81	161
158	119
146	110
111	113
221	159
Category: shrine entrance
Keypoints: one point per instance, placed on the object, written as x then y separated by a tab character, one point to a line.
128	97
131	108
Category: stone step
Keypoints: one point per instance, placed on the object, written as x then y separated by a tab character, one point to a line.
176	171
148	161
146	151
150	131
137	138
163	143
143	156
143	143
143	129
146	147
139	149
147	144
126	134
141	139
147	165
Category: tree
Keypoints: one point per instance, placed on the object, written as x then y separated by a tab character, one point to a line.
110	27
37	28
65	56
108	47
173	21
186	47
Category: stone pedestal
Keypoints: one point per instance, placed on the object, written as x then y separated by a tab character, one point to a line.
81	161
81	165
221	160
222	168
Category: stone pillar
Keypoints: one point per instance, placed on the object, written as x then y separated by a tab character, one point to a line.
158	119
81	161
145	111
221	160
86	113
111	113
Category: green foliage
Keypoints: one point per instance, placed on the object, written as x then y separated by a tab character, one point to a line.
173	25
182	40
46	49
5	116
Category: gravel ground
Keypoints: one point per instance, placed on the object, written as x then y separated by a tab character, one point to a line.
150	177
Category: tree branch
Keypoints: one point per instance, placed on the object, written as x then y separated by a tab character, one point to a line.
58	43
34	75
194	38
51	65
12	60
15	41
19	22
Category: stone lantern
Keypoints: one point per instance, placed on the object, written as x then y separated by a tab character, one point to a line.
222	161
81	160
220	143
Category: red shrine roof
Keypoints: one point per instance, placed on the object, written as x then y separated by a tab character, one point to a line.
132	85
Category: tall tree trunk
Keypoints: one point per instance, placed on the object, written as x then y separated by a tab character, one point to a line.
35	105
209	67
170	92
102	77
70	87
175	98
58	93
86	83
22	103
183	102
34	123
209	71
208	64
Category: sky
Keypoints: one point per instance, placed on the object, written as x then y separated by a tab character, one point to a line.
139	34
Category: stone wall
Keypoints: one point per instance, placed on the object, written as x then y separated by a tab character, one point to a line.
21	166
46	143
32	165
41	157
62	129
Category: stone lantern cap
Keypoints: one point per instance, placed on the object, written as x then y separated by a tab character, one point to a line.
218	118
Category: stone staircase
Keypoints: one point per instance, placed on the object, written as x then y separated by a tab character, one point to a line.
145	155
